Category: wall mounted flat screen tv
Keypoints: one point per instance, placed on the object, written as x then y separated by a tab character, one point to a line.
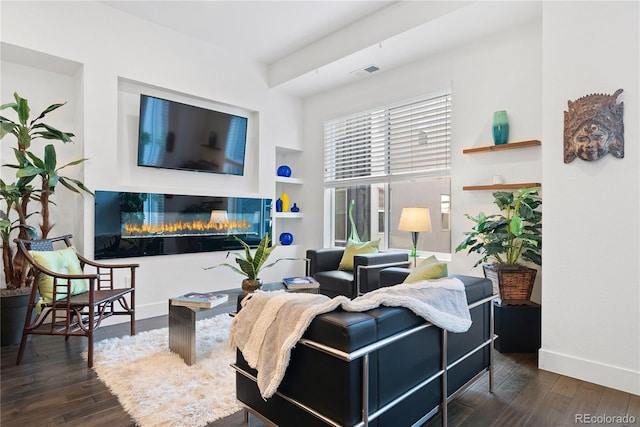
173	135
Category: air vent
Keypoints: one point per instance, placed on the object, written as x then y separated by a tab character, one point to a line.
362	72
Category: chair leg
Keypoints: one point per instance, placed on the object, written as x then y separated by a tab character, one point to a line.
133	323
90	350
132	308
23	344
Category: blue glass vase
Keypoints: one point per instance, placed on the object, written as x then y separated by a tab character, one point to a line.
500	127
295	208
284	170
286	239
279	205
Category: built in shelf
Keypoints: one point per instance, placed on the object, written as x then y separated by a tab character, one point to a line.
509	146
287	215
288	180
501	186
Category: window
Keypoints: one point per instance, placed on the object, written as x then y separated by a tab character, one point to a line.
387	158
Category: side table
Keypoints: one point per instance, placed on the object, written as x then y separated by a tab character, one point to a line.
182	332
517	327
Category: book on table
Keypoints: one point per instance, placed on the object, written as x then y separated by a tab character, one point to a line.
200	299
305	282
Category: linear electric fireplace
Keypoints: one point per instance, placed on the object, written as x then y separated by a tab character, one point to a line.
147	224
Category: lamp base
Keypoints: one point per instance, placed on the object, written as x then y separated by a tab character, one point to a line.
414	250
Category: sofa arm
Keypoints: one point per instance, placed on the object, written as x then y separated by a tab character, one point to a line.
393	276
367	267
325	259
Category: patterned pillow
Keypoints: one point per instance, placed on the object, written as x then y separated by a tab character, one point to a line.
429	268
357	248
63	261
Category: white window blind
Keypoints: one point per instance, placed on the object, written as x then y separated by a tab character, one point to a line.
400	141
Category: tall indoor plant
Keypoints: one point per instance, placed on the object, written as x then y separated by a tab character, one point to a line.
507	240
37	176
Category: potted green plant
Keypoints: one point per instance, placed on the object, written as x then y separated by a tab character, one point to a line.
508	239
251	265
37	178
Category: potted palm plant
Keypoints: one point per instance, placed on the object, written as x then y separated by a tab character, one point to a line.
37	178
507	240
250	265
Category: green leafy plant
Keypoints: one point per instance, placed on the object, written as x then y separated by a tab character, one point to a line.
251	265
513	236
29	168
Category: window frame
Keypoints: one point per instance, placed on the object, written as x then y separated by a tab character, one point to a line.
370	175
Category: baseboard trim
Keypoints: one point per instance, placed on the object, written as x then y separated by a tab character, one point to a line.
588	370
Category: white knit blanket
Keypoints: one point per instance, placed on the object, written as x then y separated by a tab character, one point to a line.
271	323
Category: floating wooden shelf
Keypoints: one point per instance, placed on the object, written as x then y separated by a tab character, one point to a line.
509	146
501	186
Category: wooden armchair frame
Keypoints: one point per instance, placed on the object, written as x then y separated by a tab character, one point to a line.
79	314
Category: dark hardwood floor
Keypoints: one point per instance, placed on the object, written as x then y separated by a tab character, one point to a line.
53	386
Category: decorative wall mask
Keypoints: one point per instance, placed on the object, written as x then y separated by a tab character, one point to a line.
593	127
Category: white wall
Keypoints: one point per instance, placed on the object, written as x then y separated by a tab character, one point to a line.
591	292
498	72
589	282
114	53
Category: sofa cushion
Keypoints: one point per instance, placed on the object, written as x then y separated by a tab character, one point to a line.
343	330
63	261
428	269
357	248
335	282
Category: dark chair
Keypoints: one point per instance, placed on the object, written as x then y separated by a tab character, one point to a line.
323	264
73	302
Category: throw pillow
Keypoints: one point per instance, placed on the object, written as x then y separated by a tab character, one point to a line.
429	268
357	248
63	261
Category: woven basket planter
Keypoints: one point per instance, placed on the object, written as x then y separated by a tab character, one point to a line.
514	282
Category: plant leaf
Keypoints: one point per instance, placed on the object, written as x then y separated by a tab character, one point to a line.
65	181
516	225
50	158
29	171
233	267
51	133
8	105
22	109
35	159
73	163
49	109
6	128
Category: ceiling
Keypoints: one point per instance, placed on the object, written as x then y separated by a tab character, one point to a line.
311	46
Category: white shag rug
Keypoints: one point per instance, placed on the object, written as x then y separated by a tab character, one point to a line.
157	388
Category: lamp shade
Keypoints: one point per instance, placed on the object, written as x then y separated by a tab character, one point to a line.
219	217
415	219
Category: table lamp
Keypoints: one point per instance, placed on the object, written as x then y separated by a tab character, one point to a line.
415	220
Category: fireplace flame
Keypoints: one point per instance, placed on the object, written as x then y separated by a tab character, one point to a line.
181	227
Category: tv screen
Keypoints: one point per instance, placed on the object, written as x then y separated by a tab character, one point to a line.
173	135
